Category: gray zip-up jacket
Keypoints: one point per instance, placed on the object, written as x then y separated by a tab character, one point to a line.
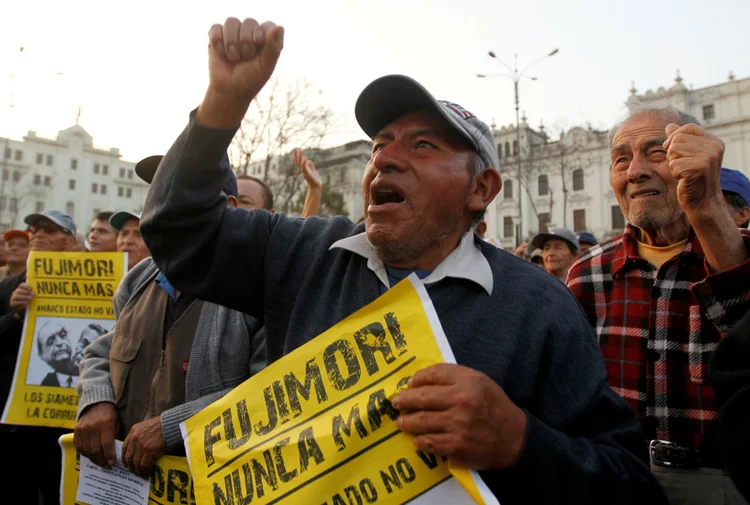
228	348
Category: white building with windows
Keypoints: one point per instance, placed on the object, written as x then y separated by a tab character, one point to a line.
67	173
565	183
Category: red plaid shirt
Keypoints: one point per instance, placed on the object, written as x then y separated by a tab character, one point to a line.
657	329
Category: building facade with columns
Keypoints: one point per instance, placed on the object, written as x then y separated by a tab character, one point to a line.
565	182
67	173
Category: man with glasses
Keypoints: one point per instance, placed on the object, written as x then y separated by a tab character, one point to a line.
35	446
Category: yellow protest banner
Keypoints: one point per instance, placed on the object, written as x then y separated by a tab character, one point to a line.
318	427
72	306
171	482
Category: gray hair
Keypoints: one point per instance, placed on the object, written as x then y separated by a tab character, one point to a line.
680	118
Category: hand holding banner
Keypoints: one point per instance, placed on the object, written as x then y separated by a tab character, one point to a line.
318	426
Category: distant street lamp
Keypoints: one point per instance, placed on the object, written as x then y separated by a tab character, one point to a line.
516	76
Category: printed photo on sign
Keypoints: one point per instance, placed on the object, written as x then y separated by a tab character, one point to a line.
59	344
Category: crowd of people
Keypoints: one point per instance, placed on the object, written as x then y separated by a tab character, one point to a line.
588	372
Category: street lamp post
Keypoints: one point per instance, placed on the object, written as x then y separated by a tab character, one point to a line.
516	76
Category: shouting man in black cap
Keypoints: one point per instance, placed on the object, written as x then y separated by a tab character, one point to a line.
528	402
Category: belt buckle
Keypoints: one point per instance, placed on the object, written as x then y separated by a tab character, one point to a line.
671	455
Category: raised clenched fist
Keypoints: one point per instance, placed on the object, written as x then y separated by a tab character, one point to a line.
242	55
695	157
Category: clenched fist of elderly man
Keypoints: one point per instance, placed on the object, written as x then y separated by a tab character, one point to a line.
242	55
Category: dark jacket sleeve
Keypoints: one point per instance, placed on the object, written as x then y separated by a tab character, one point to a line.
729	370
584	444
205	248
7	321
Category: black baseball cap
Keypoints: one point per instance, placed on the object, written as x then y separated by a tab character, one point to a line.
146	170
388	98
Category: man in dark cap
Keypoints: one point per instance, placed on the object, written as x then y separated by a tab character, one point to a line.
586	240
528	401
559	249
736	189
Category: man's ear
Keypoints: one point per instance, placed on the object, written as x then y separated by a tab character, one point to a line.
484	188
232	201
741	216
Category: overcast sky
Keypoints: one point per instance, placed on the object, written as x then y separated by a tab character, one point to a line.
138	69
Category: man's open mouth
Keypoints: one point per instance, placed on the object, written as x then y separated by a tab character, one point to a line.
385	194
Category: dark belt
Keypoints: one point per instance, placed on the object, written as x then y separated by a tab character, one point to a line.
672	455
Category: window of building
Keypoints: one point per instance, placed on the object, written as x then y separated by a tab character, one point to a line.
499	150
19	155
73	164
39	158
579	219
94	187
130	174
47	180
507	227
708	112
3	203
49	160
96	168
507	149
71	184
122	173
544	222
5	174
578	179
14	204
37	179
508	189
103	189
129	193
618	220
70	209
543	184
8	153
39	206
120	191
105	170
515	148
16	176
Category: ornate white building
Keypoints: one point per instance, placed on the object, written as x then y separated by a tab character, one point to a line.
565	183
66	173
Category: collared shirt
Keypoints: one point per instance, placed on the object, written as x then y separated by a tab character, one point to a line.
465	262
657	329
66	381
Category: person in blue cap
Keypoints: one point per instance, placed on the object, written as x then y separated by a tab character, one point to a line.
32	447
736	188
586	240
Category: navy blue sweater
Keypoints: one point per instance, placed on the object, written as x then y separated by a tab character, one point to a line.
584	444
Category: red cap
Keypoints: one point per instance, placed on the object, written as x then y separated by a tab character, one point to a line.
15	233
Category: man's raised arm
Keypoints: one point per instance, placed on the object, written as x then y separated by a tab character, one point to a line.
197	241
